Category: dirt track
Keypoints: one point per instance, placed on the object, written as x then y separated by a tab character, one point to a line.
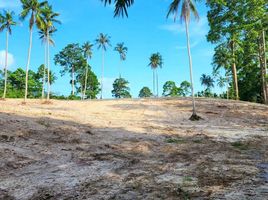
133	149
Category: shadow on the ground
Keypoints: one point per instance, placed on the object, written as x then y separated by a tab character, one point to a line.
47	158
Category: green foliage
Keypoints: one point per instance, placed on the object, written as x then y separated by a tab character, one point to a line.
207	81
236	27
185	88
171	90
93	85
156	61
240	145
16	84
145	92
121	89
40	74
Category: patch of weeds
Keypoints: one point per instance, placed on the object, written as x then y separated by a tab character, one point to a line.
197	141
175	140
183	194
240	145
44	123
187	179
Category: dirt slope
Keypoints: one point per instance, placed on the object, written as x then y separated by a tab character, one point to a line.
133	149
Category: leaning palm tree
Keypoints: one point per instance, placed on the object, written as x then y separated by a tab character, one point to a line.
7	22
122	50
49	18
187	7
103	41
44	38
156	61
33	9
87	49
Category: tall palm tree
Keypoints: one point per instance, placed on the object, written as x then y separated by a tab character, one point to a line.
33	9
43	36
87	49
120	6
49	18
7	22
156	61
122	50
103	41
187	7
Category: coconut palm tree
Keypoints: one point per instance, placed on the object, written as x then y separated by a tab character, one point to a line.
7	22
120	6
33	9
207	81
122	50
49	18
103	41
187	7
87	49
43	36
156	61
221	82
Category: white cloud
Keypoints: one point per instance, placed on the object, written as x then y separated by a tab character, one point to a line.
10	57
9	3
197	28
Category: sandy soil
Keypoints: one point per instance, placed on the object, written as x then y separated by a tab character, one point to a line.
133	149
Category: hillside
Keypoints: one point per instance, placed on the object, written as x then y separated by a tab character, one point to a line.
133	149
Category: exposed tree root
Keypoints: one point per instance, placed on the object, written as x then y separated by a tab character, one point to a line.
195	117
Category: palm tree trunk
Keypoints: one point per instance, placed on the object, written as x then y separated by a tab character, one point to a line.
44	73
28	64
85	86
73	80
81	92
48	67
154	82
264	68
119	68
102	72
235	72
157	83
5	87
191	71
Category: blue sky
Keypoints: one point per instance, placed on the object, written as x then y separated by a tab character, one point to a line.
146	31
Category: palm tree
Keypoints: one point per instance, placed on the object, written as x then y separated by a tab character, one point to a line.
49	18
7	22
33	9
207	81
187	7
120	6
44	38
122	50
103	41
221	82
156	61
87	49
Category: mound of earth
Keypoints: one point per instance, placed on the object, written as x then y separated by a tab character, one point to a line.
133	149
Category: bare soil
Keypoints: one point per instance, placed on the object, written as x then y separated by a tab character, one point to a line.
133	149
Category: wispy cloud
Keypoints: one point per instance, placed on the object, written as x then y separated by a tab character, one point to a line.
197	28
10	57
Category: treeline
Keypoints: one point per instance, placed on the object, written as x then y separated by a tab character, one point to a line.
238	28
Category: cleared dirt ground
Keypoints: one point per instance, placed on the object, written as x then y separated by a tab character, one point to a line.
133	149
